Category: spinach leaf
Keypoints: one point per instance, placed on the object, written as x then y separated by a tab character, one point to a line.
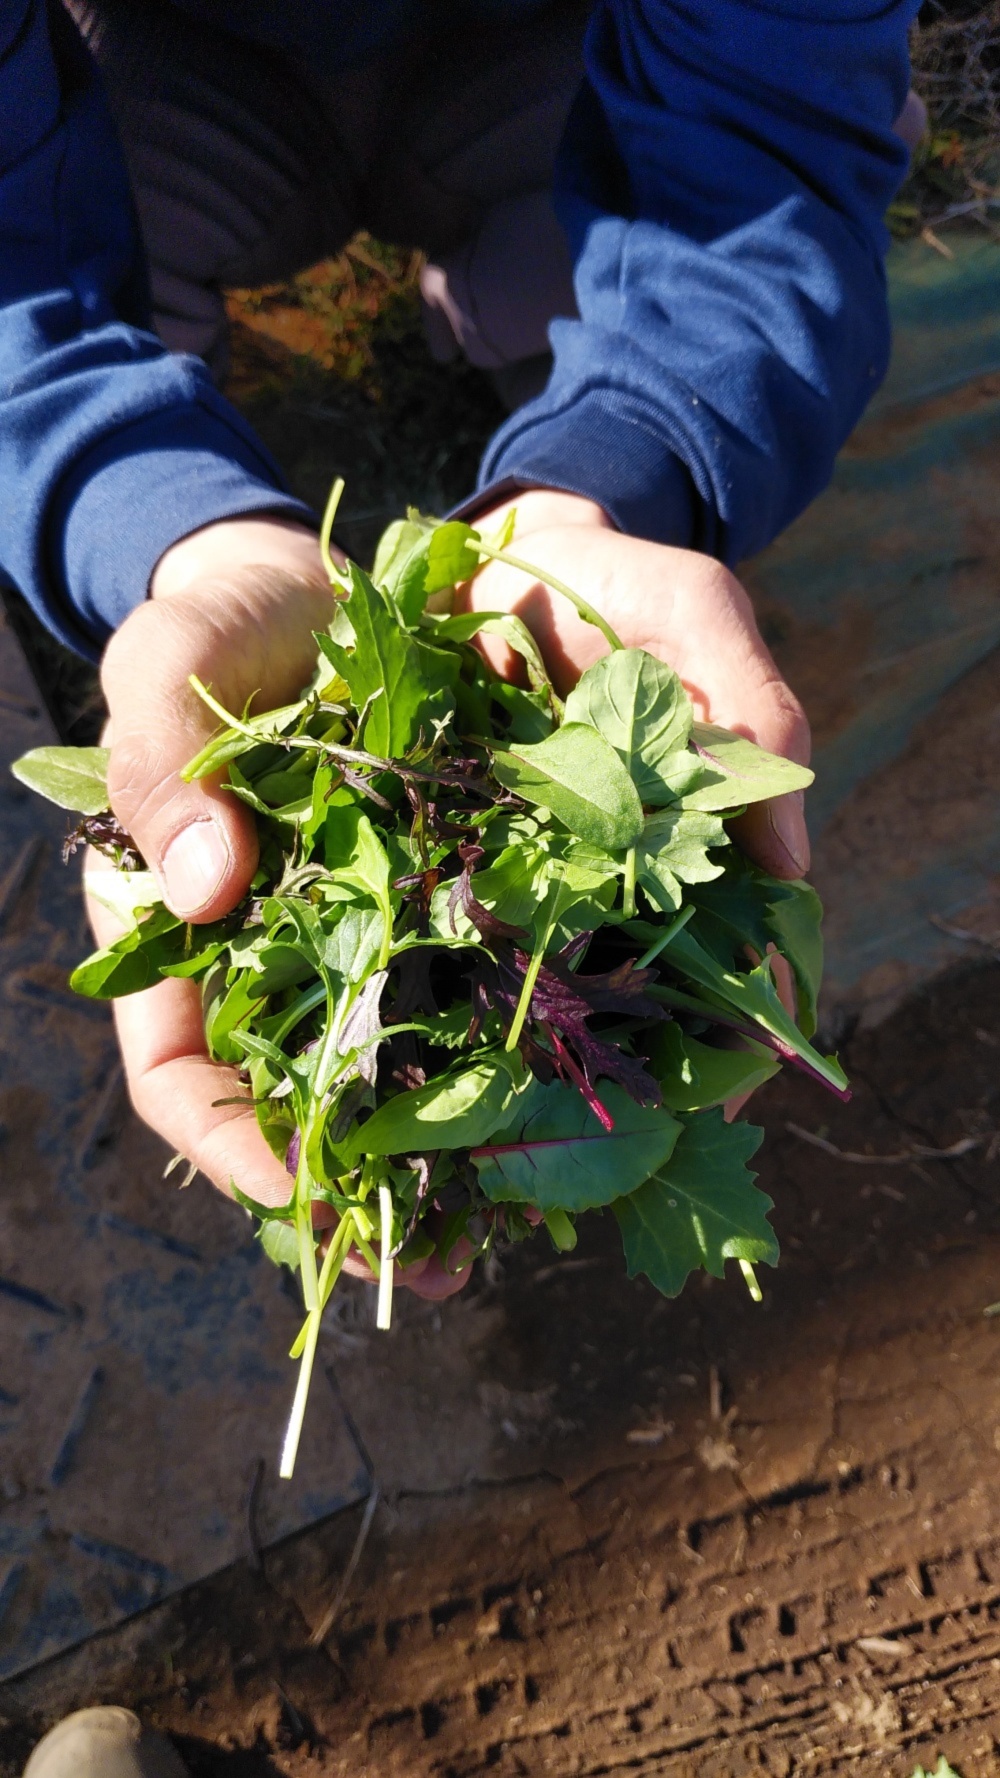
554	1154
638	704
579	776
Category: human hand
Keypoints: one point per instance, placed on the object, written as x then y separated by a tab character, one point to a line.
683	607
237	605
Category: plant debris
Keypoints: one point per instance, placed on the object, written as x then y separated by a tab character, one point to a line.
500	963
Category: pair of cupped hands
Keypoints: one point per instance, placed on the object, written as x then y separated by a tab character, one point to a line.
237	604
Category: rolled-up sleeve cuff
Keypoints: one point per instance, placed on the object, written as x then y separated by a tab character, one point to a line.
606	450
140	490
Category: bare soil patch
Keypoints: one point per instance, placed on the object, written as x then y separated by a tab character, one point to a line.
617	1533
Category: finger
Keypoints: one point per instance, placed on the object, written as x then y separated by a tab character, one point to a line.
251	639
427	1278
716	647
183	1095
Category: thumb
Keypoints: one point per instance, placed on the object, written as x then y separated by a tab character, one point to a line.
250	638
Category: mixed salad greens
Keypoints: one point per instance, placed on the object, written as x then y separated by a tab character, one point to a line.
501	962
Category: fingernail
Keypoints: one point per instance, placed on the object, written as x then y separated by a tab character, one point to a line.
193	866
788	824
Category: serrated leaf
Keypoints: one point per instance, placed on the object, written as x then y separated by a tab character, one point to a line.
673	849
699	1210
744	906
735	771
409	684
638	704
578	776
73	777
555	1154
754	995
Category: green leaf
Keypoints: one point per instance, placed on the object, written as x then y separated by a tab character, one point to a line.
74	777
125	893
640	706
694	1076
529	713
795	922
744	906
454	1111
699	1210
755	996
400	567
449	558
579	776
673	850
280	1242
133	962
941	1770
509	628
555	1154
351	949
735	771
408	682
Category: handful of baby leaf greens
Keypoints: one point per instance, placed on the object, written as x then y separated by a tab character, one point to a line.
500	961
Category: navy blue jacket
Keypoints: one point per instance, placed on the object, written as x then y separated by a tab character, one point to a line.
722	182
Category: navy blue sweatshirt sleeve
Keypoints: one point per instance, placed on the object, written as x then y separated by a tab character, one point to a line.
723	183
111	448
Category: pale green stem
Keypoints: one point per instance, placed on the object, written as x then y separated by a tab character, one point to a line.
224	715
662	942
336	1253
383	1318
585	610
631	861
527	990
751	1277
289	1450
326	530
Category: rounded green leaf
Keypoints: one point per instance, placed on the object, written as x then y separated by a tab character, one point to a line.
577	774
74	777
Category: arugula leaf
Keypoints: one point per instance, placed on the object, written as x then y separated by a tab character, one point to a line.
554	1154
673	849
74	777
409	684
744	906
579	776
457	1110
638	704
754	995
735	771
699	1210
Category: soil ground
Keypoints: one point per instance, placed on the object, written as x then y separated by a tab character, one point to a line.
616	1533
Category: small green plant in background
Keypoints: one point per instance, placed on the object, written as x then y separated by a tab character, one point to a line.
941	1770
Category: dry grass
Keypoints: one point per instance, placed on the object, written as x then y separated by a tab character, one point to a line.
956	69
